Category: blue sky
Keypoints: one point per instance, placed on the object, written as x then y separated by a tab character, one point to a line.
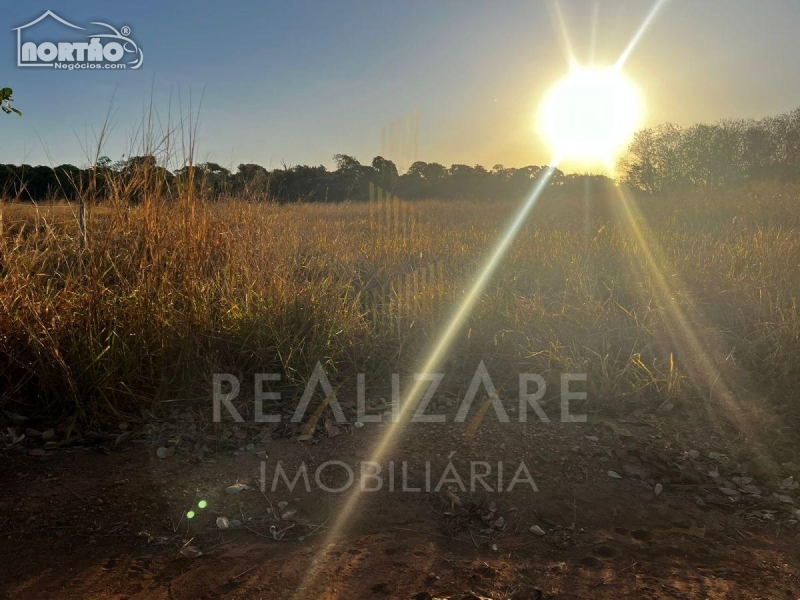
297	82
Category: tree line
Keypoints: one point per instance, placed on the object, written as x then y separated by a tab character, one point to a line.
669	157
350	180
659	159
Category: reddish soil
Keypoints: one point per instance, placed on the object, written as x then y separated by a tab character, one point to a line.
107	522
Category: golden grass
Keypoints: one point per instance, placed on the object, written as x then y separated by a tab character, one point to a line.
167	293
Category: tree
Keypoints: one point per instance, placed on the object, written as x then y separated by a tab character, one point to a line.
386	173
6	99
350	180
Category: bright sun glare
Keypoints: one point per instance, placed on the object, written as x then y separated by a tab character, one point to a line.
591	114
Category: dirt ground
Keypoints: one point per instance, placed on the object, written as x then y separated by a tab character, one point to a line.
108	519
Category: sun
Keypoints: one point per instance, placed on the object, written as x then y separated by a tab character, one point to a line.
591	114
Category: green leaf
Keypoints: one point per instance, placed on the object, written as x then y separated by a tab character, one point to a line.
16	111
5	93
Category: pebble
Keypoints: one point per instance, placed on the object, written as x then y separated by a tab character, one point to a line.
236	488
536	530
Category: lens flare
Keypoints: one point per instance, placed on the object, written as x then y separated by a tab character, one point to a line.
566	104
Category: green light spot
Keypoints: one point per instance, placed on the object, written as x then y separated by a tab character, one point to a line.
190	514
202	504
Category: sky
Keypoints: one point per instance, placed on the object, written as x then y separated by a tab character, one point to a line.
286	83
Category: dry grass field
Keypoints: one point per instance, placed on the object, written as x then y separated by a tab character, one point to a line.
681	311
660	300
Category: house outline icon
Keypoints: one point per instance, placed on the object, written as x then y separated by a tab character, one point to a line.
19	29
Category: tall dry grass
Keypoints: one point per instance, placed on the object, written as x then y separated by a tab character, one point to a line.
170	291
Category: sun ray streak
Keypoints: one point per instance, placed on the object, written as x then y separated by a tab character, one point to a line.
593	34
701	352
639	33
457	319
563	34
435	356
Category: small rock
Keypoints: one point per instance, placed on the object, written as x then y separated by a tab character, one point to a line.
236	488
282	504
782	498
33	433
620	431
592	438
163	452
763	467
358	424
658	489
223	523
730	492
789	484
665	409
536	530
791	467
635	471
38	452
694	454
190	552
715	456
48	434
289	514
614	474
250	447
